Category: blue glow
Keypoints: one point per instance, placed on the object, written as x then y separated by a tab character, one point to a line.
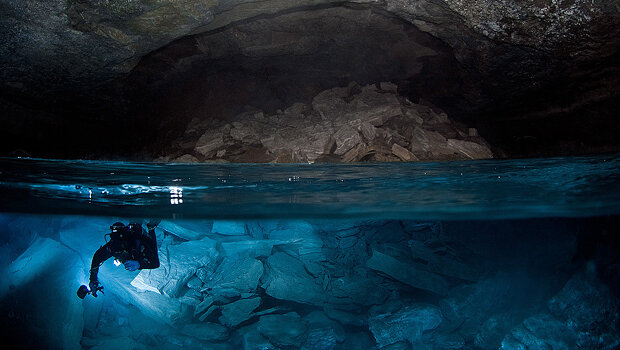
516	254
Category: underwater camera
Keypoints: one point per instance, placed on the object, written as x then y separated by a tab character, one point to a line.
83	290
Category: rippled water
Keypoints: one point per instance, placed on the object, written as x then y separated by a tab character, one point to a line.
576	187
510	254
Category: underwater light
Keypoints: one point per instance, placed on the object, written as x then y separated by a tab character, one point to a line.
117	262
176	195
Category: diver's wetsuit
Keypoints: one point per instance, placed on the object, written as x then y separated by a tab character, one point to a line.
133	243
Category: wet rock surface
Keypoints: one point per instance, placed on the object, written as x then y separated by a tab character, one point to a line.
309	287
352	124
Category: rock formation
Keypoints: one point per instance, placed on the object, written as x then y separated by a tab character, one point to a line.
320	284
352	124
413	284
124	77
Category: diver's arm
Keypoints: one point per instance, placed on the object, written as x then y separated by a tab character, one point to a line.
102	254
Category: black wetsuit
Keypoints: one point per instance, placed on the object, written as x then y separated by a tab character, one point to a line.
133	243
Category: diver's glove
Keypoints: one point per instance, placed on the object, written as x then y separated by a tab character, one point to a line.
131	265
95	287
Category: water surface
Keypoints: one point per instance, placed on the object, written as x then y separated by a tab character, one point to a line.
488	189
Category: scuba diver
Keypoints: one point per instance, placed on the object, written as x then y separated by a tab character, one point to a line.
131	245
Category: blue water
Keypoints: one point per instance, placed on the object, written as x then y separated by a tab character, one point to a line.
528	188
494	254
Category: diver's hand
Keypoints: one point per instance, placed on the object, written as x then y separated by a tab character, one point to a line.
131	265
94	287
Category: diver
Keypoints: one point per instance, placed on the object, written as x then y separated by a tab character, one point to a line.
131	245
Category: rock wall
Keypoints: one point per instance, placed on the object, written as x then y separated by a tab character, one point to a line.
103	66
103	39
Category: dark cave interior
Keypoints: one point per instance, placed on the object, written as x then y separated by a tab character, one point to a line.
524	101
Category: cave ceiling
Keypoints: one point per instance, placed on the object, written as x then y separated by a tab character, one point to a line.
99	59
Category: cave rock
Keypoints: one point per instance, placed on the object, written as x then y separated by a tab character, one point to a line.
239	311
286	278
234	276
408	272
288	330
408	324
178	263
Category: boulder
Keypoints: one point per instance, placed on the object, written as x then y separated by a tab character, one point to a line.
288	330
194	283
485	311
245	248
358	289
335	127
245	133
296	109
330	102
368	130
359	340
430	145
346	138
229	228
202	313
440	260
239	311
296	237
205	331
356	153
252	339
41	310
209	142
437	118
192	298
403	153
234	276
286	278
313	145
585	303
542	331
157	306
588	307
187	230
388	86
470	149
186	158
345	317
323	333
413	114
407	324
371	104
493	331
178	263
408	273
